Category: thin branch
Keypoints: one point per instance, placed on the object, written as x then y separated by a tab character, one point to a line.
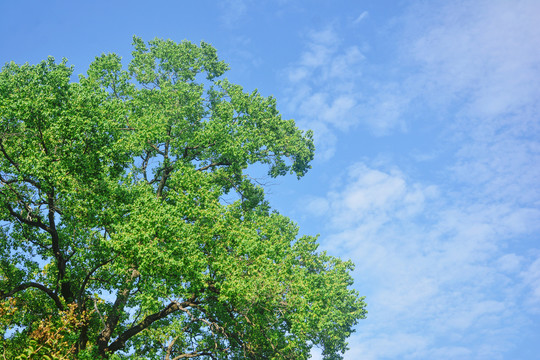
185	153
145	165
219	163
100	316
90	273
26	221
24	179
27	236
6	135
195	354
169	349
158	150
42	139
14	163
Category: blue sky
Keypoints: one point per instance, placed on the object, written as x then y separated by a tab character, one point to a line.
427	126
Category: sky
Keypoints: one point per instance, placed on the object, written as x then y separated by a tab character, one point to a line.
427	128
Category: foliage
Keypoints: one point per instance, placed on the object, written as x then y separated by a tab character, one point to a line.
52	338
118	236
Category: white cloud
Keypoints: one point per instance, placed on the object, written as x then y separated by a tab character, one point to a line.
510	262
478	65
371	194
531	277
317	206
485	48
450	267
383	109
479	55
386	347
327	85
433	269
323	89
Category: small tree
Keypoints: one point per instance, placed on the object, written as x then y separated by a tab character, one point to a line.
116	239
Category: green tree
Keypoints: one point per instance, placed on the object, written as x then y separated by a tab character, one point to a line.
119	238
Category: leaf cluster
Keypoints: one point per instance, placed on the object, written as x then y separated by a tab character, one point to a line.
116	239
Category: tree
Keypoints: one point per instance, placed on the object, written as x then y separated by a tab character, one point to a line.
119	237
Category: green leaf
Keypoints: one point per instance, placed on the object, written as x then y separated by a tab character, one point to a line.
131	227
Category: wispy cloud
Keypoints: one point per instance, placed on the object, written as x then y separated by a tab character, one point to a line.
450	265
485	48
332	87
531	278
233	10
323	87
479	63
436	271
361	17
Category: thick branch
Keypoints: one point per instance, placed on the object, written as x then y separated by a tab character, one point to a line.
164	177
120	342
116	312
112	320
65	286
43	288
166	168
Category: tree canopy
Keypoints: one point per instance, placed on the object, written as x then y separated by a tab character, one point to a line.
119	234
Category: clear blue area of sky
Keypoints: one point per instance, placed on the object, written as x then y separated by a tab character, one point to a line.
427	127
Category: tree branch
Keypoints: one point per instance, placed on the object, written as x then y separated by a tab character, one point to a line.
90	273
26	221
158	150
14	163
195	354
41	287
174	306
114	315
219	163
65	286
166	167
164	177
144	165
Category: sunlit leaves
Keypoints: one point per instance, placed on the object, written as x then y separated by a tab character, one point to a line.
112	194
